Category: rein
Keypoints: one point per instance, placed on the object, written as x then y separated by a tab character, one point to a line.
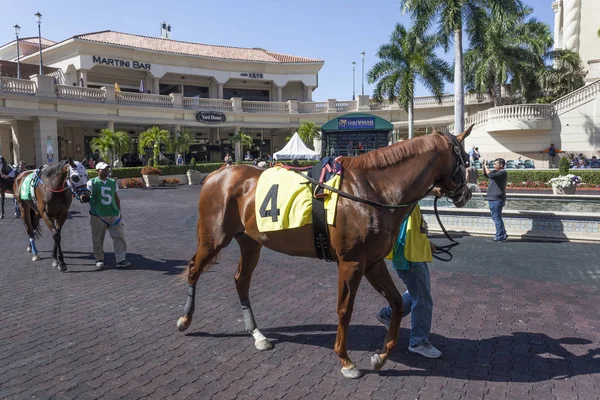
443	249
37	174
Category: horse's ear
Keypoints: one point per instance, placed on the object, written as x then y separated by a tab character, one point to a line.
71	163
465	134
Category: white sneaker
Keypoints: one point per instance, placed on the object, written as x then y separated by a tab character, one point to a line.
426	350
99	264
383	317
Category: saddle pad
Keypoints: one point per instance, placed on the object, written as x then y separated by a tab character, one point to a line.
284	200
26	187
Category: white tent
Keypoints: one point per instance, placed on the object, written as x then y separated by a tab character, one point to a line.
295	149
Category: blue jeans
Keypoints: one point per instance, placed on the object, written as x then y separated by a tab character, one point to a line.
17	211
496	207
417	301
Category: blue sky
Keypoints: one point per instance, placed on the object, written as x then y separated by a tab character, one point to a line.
336	31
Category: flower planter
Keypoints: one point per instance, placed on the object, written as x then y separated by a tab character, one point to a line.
570	189
151	180
194	177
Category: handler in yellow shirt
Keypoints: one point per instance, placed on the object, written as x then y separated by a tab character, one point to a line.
409	258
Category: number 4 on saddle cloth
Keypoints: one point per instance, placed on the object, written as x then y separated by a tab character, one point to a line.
285	199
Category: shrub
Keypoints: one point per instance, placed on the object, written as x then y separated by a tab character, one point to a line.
193	162
132	183
151	162
563	166
517	177
151	171
171	181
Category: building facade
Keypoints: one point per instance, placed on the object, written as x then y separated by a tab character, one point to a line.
127	82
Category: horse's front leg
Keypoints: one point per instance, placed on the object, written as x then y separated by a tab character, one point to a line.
379	277
349	276
57	257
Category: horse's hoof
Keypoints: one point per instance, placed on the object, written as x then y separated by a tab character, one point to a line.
29	249
55	263
351	373
183	323
263	345
377	362
35	258
62	267
1	216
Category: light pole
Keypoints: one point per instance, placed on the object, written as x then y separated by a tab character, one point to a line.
353	80
17	30
363	72
38	17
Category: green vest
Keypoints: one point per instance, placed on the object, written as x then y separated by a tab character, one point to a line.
102	202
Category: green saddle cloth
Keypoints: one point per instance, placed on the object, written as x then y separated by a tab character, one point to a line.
27	186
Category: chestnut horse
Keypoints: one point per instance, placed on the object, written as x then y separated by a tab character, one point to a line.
54	193
396	176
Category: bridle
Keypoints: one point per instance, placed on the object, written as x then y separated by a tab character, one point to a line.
73	179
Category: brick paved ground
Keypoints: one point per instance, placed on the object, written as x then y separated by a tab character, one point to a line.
517	320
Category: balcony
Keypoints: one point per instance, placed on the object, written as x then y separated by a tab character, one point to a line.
520	117
31	88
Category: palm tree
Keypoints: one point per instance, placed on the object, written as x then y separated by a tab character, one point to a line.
182	142
510	52
308	131
408	58
155	137
451	16
111	145
565	75
244	140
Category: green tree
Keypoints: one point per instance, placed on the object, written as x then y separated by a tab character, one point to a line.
244	140
509	52
450	17
111	145
563	76
182	142
154	138
308	131
407	58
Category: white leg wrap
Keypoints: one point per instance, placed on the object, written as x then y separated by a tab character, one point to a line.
258	337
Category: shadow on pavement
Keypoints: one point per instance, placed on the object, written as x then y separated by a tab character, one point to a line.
519	357
138	262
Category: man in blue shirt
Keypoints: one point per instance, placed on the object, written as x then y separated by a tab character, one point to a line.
496	195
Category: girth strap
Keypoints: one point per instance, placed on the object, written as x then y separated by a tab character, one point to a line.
319	217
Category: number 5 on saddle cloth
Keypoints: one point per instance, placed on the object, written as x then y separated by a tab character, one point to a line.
286	200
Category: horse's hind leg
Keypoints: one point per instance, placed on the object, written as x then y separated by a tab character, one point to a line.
205	255
379	277
250	253
31	220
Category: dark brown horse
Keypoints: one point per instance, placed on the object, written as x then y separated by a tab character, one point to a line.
54	188
362	236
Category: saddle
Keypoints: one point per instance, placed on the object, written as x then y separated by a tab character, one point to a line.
322	172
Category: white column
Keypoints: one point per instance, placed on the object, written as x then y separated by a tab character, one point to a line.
557	8
5	133
238	146
110	125
279	93
155	85
46	141
220	90
308	95
16	143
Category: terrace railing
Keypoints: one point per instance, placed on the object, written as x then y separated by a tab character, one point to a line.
79	93
142	99
18	86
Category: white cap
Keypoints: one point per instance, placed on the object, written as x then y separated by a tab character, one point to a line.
101	165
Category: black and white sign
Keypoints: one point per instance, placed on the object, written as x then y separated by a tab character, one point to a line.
211	117
253	75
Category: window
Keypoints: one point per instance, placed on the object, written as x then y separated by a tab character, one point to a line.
195	91
167	88
246	94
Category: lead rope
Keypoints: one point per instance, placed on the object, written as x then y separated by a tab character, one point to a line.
446	248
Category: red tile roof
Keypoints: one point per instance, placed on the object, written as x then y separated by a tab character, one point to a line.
34	40
192	49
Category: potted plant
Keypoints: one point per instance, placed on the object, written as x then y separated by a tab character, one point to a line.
565	184
194	176
150	175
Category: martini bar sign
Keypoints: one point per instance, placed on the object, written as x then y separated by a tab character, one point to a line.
115	62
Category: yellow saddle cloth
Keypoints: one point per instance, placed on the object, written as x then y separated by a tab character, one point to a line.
284	200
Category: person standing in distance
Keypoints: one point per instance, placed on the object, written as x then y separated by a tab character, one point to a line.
496	195
105	214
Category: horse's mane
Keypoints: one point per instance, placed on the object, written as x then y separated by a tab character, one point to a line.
55	169
390	155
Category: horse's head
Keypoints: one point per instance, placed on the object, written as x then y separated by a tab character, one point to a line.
453	182
77	178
